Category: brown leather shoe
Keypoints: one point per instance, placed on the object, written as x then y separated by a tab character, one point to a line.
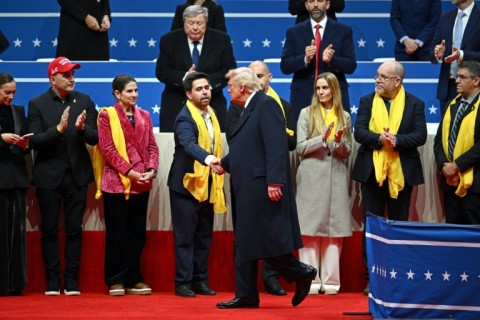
139	289
116	290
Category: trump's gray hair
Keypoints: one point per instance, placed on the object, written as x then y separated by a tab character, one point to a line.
246	77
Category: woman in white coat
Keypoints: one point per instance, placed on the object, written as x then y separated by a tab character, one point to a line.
324	145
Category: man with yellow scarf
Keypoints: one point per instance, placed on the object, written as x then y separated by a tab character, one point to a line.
260	68
457	148
390	126
196	186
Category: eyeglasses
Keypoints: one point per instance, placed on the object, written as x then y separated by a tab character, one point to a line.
461	77
382	78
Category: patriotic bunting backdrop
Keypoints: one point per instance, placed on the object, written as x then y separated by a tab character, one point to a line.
423	271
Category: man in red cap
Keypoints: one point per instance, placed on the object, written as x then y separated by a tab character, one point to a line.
63	121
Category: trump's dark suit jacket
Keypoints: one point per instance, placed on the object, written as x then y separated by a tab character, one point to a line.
12	159
416	19
470	158
175	59
293	61
470	45
55	151
259	156
411	134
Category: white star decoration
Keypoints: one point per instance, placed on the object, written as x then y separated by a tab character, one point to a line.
36	43
380	43
156	109
283	42
464	277
433	109
428	275
17	42
247	43
97	107
446	276
266	43
54	42
151	42
353	109
393	274
410	274
113	42
132	43
373	269
361	43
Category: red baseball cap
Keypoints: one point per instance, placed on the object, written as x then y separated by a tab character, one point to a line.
61	65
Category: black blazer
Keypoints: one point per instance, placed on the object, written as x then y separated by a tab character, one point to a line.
469	159
411	134
235	111
216	16
175	59
53	148
12	159
187	151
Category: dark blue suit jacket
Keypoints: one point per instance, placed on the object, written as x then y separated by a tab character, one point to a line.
411	134
187	151
416	19
293	61
470	45
259	156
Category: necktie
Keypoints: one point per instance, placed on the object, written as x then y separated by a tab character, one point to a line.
457	38
195	54
318	43
387	105
452	139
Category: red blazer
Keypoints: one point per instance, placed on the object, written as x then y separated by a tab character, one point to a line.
142	149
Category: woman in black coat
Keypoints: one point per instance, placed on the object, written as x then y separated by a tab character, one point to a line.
216	16
13	188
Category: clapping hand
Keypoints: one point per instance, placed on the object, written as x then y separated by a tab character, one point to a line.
81	119
327	132
339	135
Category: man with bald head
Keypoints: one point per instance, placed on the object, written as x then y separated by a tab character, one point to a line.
390	126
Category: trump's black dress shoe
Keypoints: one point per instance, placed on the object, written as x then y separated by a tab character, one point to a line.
303	285
184	290
237	303
272	286
202	289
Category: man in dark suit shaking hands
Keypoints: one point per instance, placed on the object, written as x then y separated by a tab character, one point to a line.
266	220
196	188
193	48
390	126
63	122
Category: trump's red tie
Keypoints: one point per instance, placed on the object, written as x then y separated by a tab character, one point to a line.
318	44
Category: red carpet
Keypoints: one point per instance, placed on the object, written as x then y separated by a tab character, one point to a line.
169	306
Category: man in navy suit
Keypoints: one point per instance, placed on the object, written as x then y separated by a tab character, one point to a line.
266	220
336	54
390	126
414	23
192	217
178	49
450	54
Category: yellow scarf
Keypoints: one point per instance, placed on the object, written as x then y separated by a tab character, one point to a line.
386	161
197	182
275	97
329	117
465	141
98	161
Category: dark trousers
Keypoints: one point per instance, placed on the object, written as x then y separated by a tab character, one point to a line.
268	272
462	210
125	235
192	223
13	254
375	199
74	201
246	273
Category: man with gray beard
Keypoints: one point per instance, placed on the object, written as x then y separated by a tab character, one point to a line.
390	126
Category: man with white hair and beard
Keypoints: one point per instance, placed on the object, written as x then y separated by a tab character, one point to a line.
390	126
